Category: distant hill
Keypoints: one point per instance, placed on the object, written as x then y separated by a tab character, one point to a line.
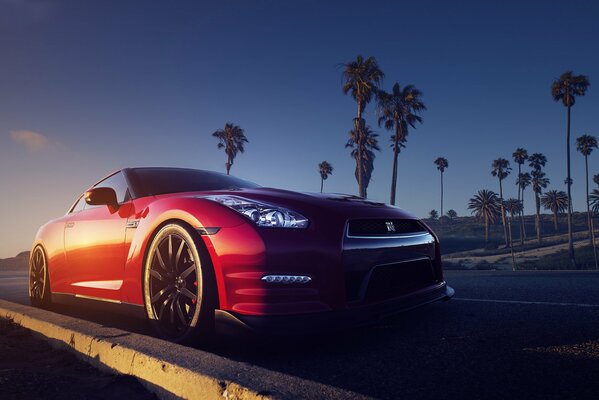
20	262
467	232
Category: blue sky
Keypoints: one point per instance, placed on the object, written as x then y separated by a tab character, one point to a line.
90	87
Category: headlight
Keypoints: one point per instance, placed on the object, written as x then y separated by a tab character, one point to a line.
262	214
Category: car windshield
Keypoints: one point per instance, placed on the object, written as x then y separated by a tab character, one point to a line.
155	181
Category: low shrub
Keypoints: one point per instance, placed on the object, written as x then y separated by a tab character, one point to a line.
560	261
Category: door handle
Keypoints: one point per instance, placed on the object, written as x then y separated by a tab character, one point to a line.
70	225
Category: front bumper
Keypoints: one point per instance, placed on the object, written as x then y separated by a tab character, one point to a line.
228	322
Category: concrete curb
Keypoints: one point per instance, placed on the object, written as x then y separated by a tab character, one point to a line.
167	369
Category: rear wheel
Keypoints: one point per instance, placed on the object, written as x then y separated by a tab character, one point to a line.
178	288
39	283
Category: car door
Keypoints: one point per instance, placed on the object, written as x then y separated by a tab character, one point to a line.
94	242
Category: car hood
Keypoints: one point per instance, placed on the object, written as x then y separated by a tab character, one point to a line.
316	203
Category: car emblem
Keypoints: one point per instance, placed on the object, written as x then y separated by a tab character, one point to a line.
390	226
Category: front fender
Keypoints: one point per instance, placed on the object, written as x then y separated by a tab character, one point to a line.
152	213
50	237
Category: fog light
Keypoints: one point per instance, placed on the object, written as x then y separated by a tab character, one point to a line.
286	278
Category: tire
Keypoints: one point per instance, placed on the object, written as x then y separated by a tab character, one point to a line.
178	285
40	294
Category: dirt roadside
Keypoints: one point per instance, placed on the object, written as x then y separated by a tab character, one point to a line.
504	261
31	369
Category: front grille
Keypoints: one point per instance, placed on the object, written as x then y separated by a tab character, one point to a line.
394	280
384	227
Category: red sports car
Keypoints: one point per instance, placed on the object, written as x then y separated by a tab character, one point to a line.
197	250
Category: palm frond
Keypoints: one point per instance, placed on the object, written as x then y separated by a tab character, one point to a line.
441	163
500	168
537	161
556	201
512	206
485	205
325	169
585	144
568	86
539	181
399	109
523	180
232	138
520	155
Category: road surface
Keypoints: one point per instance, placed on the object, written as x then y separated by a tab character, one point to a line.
506	335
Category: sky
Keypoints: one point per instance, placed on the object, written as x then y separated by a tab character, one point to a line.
89	87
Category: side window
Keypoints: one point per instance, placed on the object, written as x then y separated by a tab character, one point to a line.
119	184
80	205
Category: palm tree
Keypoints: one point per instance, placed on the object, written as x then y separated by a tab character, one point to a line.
513	207
566	89
537	161
596	179
539	182
361	78
452	214
363	146
232	139
396	111
556	201
523	182
441	163
485	205
433	214
585	145
325	170
520	156
501	169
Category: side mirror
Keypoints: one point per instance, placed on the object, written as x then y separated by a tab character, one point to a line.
101	196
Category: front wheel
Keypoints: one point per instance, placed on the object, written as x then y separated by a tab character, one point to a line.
39	283
177	285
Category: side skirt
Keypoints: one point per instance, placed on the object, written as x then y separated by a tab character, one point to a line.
105	305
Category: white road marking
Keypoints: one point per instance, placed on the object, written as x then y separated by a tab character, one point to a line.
541	303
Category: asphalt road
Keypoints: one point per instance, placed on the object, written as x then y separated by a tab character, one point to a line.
506	335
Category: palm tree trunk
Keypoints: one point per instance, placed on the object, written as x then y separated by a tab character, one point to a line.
555	221
441	196
486	230
586	167
523	227
358	124
321	184
511	243
360	173
520	213
502	212
394	171
538	218
394	175
570	241
589	216
594	245
229	163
